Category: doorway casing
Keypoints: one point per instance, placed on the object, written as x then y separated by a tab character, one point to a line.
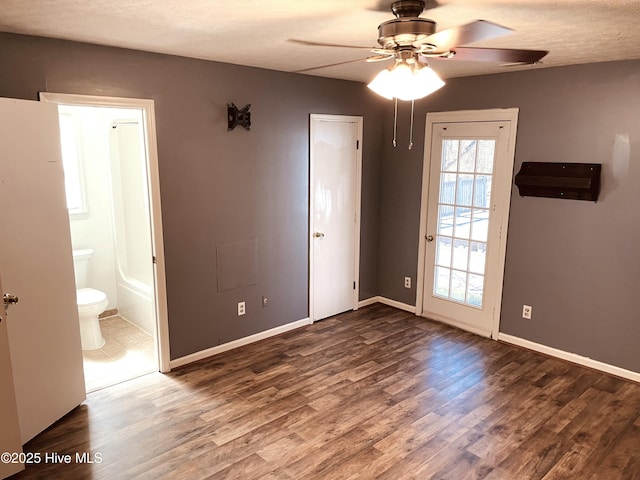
147	106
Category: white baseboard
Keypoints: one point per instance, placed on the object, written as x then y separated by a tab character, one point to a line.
194	357
387	301
571	357
368	301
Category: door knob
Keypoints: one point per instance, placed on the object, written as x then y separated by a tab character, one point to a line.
429	238
9	299
318	235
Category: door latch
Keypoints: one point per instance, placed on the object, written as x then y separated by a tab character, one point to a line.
9	300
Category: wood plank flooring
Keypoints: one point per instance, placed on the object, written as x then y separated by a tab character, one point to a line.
375	393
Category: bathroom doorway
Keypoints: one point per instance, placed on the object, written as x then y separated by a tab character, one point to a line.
111	180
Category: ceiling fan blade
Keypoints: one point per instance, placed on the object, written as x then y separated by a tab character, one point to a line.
383	51
328	65
380	58
464	34
498	55
318	44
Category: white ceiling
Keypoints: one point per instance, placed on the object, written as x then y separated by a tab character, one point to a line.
255	32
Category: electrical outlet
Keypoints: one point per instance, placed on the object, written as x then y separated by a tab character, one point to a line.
265	301
527	310
241	308
407	282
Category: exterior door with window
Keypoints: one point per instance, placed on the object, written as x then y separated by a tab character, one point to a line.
468	197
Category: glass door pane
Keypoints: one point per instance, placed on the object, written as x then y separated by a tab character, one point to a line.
466	176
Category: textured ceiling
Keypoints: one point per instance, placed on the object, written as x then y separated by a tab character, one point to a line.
255	33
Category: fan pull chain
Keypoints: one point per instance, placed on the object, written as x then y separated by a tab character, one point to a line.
411	127
395	123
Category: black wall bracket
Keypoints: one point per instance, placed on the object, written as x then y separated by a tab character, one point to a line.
238	116
576	181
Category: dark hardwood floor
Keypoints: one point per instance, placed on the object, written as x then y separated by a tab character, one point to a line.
375	393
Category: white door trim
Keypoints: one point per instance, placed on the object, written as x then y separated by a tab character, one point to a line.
490	115
358	187
154	190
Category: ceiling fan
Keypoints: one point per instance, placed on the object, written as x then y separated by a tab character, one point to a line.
411	40
409	37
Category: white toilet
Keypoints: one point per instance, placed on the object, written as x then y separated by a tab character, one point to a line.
91	302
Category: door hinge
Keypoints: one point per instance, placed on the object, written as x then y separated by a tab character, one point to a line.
357	144
354	285
153	259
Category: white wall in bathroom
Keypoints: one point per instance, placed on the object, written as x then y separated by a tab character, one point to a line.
94	229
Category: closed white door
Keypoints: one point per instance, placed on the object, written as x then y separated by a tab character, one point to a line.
10	442
335	212
469	192
36	264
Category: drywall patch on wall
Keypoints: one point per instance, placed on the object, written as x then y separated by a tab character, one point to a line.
237	264
619	189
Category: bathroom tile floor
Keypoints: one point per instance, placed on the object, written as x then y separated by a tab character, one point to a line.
128	352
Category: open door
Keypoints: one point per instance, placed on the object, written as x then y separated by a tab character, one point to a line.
36	265
10	443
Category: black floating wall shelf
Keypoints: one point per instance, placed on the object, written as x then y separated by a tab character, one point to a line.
576	181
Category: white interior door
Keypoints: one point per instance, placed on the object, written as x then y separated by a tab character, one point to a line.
468	199
37	265
10	442
335	213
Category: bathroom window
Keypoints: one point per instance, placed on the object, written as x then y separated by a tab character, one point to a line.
74	187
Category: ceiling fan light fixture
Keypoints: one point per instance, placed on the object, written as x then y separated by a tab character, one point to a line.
406	81
382	84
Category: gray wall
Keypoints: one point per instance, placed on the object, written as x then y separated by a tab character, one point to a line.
219	187
577	263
